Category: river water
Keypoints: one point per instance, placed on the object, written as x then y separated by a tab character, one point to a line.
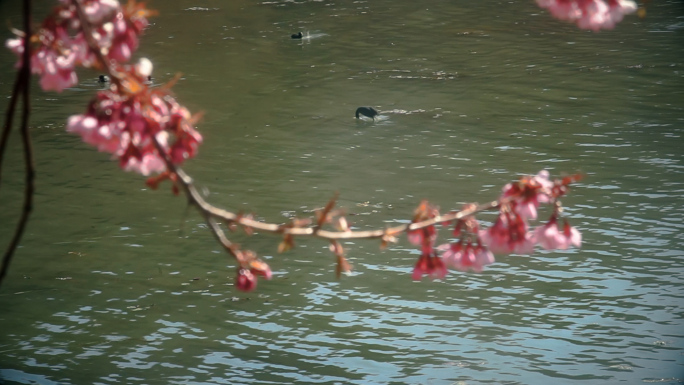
114	283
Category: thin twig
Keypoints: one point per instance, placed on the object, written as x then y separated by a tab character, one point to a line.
210	211
9	120
23	79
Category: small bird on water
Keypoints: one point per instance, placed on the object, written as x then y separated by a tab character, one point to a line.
297	35
366	111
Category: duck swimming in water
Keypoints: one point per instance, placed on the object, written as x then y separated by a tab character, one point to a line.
297	35
366	111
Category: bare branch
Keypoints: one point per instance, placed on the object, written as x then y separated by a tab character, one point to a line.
210	211
22	87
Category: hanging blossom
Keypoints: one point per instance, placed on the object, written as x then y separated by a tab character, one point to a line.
246	279
127	126
129	120
590	14
61	43
528	193
474	248
429	263
510	232
464	256
467	252
551	237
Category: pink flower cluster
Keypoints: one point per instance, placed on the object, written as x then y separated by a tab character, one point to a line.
465	256
117	29
552	237
128	125
510	233
61	44
590	14
429	263
474	248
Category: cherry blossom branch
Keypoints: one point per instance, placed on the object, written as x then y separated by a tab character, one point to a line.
149	132
22	88
509	234
210	212
250	266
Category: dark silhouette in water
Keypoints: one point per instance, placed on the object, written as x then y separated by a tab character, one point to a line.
367	111
105	78
297	35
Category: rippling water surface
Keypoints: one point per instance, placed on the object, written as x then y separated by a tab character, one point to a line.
114	283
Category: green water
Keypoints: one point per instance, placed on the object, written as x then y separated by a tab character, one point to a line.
114	283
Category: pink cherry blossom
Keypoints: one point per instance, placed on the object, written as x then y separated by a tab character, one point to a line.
431	265
420	236
508	235
85	57
106	138
148	163
124	32
60	45
247	276
57	71
590	14
573	236
452	253
467	257
551	237
186	145
482	258
246	280
123	40
97	11
528	193
131	126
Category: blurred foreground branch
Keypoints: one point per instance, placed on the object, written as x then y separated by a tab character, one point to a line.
21	89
